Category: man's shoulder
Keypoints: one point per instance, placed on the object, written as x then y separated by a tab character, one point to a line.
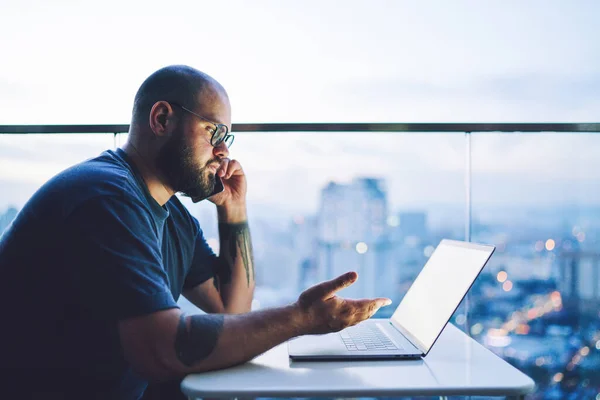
105	175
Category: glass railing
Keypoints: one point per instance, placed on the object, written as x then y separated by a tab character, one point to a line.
377	198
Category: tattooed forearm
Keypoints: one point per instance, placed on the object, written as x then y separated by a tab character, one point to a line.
234	238
197	337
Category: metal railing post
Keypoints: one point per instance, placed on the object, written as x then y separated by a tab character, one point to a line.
468	217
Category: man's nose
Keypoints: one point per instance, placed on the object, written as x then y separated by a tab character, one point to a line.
221	151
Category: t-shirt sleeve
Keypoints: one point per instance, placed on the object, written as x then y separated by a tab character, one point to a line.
118	269
204	263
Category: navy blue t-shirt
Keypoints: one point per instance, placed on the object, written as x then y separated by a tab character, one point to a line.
90	248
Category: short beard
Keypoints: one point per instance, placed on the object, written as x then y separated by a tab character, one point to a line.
176	162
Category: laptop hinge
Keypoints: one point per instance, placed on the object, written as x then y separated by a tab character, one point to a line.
413	340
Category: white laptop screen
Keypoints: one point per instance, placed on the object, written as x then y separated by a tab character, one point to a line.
439	289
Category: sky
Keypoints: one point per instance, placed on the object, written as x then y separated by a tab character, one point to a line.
72	62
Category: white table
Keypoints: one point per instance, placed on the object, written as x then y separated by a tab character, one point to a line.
456	365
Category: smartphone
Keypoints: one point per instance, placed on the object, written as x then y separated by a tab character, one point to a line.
218	189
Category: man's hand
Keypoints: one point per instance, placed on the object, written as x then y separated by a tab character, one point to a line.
324	312
234	180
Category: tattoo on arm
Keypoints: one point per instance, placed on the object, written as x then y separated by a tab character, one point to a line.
196	340
234	237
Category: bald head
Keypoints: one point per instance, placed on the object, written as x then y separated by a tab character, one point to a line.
175	114
175	83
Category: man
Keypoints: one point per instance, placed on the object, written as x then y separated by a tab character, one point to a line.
92	266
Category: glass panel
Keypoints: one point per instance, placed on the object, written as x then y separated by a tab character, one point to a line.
535	196
321	204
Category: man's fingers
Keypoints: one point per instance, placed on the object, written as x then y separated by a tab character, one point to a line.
327	289
368	307
377	302
222	170
228	168
383	301
234	168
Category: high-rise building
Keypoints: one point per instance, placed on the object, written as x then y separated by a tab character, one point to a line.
352	235
579	277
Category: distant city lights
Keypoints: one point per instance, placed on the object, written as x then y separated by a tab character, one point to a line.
556	300
393	221
550	244
507	286
519	320
461	319
497	338
540	361
585	382
598	345
558	377
522	329
361	247
476	329
581	237
502	276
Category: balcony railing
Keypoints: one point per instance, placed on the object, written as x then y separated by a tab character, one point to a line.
537	305
333	127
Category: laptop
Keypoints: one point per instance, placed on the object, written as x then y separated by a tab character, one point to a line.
418	320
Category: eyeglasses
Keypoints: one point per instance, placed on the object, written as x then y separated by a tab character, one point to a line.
219	135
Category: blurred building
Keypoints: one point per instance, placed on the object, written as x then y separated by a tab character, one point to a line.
578	277
352	235
411	247
413	224
276	260
305	246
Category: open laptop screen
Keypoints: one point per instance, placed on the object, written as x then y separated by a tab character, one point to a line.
439	289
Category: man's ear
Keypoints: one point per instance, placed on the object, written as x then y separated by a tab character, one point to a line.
161	119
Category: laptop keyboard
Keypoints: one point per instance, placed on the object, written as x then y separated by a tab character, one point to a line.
366	337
